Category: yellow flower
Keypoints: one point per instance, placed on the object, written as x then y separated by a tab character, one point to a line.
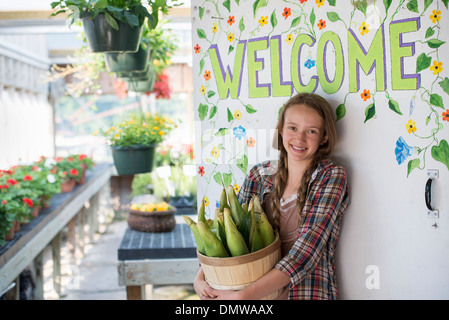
237	114
134	206
214	27
161	133
364	28
203	90
411	126
215	152
230	37
96	133
206	201
236	188
163	206
155	128
289	39
435	16
117	136
263	20
437	67
319	2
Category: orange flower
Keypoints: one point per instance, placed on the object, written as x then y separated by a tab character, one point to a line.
366	95
322	24
446	115
287	12
231	20
201	170
250	142
207	75
197	48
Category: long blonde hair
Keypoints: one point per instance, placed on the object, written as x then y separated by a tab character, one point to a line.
323	108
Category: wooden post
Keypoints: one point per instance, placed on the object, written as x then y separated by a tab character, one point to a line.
56	252
135	292
81	216
71	241
38	271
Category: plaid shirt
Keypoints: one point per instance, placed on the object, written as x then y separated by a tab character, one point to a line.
310	263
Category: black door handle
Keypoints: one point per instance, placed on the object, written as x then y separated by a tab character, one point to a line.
428	194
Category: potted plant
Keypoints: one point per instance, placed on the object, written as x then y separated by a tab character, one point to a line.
112	25
69	172
134	140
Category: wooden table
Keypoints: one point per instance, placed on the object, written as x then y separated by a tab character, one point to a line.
156	258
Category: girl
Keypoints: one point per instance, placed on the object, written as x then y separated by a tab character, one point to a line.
305	195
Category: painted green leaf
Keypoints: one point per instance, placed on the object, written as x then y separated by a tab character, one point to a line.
222	132
241	25
295	22
446	3
213	111
273	19
444	84
394	105
361	5
201	12
210	93
227	5
202	62
436	100
331	3
202	110
370	111
217	178
387	4
227	179
427	3
312	17
258	4
201	33
250	109
434	43
412	164
441	153
340	111
231	48
423	62
333	16
242	163
429	32
412	5
238	2
230	116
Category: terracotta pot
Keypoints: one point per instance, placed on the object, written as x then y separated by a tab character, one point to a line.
35	212
68	185
10	235
82	180
16	226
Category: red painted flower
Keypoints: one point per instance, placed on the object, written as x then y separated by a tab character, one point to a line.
201	171
197	48
28	178
322	24
231	20
302	1
287	12
446	115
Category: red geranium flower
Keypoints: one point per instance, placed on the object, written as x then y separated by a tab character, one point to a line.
28	201
73	172
4	202
28	178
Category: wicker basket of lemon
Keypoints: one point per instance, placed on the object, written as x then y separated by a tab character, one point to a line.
151	217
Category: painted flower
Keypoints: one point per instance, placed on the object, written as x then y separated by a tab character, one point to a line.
287	12
201	171
446	115
197	48
309	64
206	201
230	37
215	152
364	28
402	151
214	27
231	20
236	188
206	75
319	2
302	1
203	90
435	16
321	24
289	39
250	143
239	132
411	126
437	67
237	114
366	95
263	20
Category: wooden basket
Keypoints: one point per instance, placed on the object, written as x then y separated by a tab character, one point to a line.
235	273
157	221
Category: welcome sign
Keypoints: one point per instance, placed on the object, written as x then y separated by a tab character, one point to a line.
381	64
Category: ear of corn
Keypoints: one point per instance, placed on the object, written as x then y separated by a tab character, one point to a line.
234	239
212	245
196	234
256	242
264	225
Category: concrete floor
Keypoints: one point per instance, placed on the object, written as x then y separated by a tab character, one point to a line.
94	276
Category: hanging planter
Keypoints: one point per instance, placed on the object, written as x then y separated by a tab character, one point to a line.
135	75
102	37
127	62
133	159
146	85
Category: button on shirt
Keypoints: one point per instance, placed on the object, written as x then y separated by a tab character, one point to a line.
310	262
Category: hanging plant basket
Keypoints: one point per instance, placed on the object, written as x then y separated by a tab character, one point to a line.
134	159
101	37
127	62
146	85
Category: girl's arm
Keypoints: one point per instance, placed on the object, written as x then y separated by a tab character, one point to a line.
201	287
262	287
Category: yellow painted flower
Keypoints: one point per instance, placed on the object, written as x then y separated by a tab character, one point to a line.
206	201
215	152
236	188
230	37
203	90
237	114
289	39
263	20
437	67
214	27
411	126
319	2
435	16
364	28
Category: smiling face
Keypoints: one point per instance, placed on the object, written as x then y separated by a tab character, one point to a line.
302	133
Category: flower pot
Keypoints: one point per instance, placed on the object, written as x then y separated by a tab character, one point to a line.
101	37
68	185
10	234
134	75
16	226
127	62
133	160
156	221
35	212
82	179
142	85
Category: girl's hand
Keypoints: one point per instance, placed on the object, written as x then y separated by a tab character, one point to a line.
224	294
201	287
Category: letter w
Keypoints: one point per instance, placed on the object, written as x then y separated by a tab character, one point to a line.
228	82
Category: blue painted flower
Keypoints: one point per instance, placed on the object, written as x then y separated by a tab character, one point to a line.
239	132
309	63
402	151
217	204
